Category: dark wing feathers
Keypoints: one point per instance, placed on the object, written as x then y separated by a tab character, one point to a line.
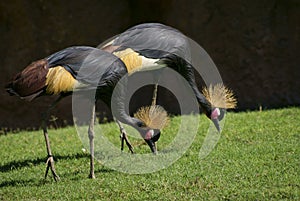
158	41
87	64
70	58
155	38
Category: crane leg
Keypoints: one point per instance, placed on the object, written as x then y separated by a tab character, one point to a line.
91	134
154	96
123	138
153	103
50	160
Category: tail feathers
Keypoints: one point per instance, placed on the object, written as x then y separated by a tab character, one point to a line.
29	83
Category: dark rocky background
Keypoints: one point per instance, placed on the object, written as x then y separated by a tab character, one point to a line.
255	44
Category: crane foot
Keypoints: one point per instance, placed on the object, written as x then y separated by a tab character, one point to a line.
50	165
92	176
124	138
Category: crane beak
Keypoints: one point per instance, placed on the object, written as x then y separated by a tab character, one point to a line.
215	118
151	140
152	146
217	125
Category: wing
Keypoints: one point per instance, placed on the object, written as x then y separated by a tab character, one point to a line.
153	40
89	65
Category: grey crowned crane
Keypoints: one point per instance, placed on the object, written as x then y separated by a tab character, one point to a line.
153	44
58	74
137	48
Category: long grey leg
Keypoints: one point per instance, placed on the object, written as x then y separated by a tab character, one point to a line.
154	96
91	134
153	103
50	160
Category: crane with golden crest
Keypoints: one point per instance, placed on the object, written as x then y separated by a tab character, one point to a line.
139	47
155	44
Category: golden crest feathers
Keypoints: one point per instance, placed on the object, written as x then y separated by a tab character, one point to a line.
155	116
220	96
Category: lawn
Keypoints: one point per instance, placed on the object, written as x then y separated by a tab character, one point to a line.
256	158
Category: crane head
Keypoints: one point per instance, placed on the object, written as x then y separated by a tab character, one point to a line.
149	121
150	135
220	98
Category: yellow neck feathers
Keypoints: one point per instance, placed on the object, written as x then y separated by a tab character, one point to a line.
59	80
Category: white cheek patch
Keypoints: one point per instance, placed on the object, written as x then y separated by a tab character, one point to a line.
149	134
215	114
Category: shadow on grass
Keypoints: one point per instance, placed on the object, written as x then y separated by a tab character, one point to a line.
41	182
16	183
29	162
14	165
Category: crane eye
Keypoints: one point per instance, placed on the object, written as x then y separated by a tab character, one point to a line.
141	124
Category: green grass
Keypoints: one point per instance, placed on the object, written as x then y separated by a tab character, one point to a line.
256	158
